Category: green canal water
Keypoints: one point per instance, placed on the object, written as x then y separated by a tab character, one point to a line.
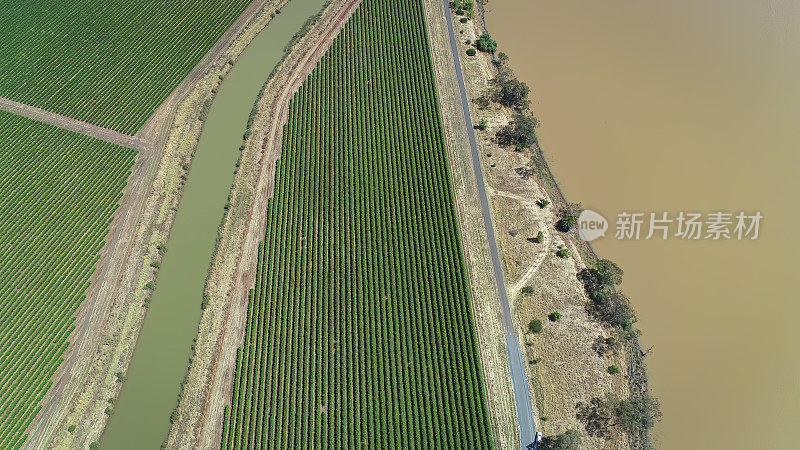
160	361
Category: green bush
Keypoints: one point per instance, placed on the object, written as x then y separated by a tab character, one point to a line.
554	316
539	237
483	124
463	20
94	446
460	12
613	369
527	290
120	377
71	428
562	252
542	203
535	326
471	52
521	132
485	43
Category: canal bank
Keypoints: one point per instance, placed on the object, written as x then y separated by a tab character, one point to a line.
141	416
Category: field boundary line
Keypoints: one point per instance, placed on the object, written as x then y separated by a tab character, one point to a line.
75	125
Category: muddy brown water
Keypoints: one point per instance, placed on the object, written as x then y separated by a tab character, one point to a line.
690	105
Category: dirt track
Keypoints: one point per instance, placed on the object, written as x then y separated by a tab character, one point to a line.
104	134
291	75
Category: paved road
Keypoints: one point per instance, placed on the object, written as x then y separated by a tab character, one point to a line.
78	126
524	414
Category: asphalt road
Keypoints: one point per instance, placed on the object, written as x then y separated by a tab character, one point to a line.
527	428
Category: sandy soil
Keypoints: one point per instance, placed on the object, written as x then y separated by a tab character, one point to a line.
208	388
109	320
563	368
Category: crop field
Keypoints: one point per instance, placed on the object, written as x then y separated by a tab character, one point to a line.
360	329
58	191
108	63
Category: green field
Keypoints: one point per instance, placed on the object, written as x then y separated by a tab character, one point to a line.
360	330
58	191
108	63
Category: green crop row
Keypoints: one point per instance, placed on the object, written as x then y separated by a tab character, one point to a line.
359	327
108	63
58	192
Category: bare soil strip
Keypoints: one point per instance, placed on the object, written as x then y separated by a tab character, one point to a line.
104	134
208	388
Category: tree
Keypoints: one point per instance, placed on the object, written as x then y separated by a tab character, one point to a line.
485	43
613	308
608	273
521	131
613	369
638	414
470	52
567	223
513	93
569	217
597	416
502	57
568	440
535	326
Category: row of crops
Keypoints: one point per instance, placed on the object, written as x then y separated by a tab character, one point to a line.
108	63
359	328
58	191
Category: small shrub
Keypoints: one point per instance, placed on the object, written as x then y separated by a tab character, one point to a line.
534	361
542	203
554	316
567	223
468	42
108	411
485	43
562	252
94	446
471	52
539	237
173	417
613	369
71	428
535	326
161	248
483	124
120	377
459	12
155	264
527	290
463	20
150	285
277	11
